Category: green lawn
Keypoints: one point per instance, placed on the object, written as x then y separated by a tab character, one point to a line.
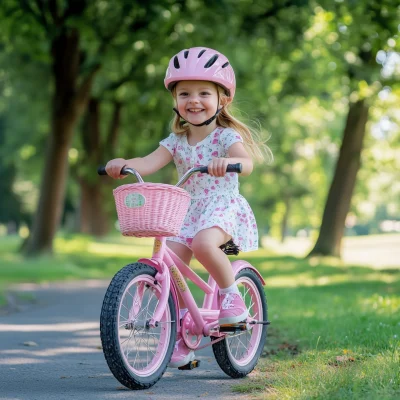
335	331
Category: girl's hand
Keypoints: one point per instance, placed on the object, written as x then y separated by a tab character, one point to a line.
217	167
114	167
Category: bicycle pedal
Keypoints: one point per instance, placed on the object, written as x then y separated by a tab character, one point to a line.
240	327
191	365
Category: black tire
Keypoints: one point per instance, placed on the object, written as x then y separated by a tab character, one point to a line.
113	325
222	350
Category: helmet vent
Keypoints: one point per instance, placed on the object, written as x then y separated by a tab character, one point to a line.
211	61
201	53
176	63
186	53
225	65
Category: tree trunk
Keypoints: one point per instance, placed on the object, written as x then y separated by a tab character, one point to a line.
94	218
341	190
68	103
51	198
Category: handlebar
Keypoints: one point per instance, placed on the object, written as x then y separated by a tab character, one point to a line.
201	169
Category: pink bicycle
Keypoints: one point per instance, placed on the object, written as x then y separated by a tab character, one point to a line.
139	318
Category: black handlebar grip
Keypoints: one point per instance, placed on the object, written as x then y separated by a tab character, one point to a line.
234	168
230	168
101	170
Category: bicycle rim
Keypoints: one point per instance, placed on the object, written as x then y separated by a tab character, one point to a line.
143	348
242	348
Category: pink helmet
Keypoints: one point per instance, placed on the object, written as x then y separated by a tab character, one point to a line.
201	64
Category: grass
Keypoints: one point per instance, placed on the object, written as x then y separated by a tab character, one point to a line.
335	331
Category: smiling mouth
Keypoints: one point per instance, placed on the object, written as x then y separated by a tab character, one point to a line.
195	110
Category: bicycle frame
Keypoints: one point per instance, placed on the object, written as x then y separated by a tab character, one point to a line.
171	269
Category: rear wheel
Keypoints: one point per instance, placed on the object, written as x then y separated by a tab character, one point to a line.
238	354
136	354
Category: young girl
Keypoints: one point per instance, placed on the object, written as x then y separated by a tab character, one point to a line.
202	83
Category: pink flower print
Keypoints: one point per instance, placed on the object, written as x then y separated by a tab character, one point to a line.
214	153
212	187
180	161
215	141
232	174
200	156
218	209
217	181
206	191
232	201
194	219
227	178
238	137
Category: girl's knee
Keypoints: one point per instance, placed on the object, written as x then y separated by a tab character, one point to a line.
202	244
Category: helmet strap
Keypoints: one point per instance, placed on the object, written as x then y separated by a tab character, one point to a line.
207	122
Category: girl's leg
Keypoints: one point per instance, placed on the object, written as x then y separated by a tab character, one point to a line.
206	249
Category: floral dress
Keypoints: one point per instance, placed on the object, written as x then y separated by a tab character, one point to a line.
215	200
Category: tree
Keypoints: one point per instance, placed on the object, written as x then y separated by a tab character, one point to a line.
366	29
62	27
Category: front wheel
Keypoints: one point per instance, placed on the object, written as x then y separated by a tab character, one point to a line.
237	355
136	354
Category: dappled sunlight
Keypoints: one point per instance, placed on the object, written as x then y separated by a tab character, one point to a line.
119	250
64	327
85	342
58	351
382	304
306	279
66	286
376	251
87	333
21	361
84	338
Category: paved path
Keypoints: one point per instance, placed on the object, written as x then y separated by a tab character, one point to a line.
51	350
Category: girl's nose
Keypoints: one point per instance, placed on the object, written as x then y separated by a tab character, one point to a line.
193	100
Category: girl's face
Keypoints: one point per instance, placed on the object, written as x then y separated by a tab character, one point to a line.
196	101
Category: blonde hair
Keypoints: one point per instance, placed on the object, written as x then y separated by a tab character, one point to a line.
256	147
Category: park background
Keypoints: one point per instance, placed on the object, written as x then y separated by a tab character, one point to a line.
82	82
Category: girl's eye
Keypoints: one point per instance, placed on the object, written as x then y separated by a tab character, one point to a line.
183	94
205	93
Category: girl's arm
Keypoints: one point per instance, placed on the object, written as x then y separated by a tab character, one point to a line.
237	154
144	165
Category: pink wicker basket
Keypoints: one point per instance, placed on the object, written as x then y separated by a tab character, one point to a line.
151	209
